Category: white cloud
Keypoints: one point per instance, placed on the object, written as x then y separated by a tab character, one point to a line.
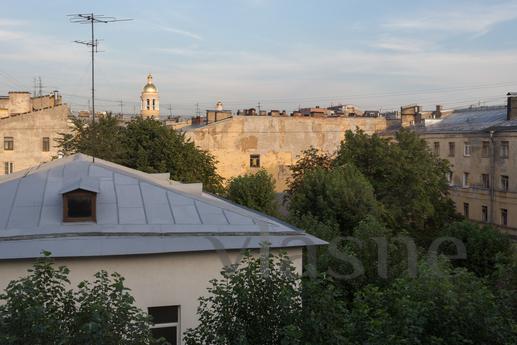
471	18
181	32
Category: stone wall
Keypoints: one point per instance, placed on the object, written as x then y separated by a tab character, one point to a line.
28	131
278	140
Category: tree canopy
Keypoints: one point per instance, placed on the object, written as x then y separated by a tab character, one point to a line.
42	309
254	190
146	145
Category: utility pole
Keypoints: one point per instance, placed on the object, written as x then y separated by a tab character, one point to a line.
258	108
92	19
198	112
40	87
170	110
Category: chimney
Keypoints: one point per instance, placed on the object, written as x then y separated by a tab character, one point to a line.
511	108
438	113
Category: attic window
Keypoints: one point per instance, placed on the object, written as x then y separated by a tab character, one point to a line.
79	206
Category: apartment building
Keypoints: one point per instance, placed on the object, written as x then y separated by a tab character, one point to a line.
481	146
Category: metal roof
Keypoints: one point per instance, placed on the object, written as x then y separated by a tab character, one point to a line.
137	213
470	120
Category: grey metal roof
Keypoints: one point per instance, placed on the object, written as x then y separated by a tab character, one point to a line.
137	213
88	183
472	120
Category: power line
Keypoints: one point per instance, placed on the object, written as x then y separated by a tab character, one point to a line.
92	19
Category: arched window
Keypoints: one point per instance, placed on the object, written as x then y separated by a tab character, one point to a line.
154	104
148	104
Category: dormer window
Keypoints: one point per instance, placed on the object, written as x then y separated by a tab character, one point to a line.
79	200
79	206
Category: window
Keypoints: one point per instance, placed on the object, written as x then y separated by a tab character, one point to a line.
505	149
148	104
450	178
8	143
452	149
8	168
484	213
485	180
485	149
437	148
466	150
254	161
165	323
466	209
504	216
154	104
504	183
46	144
79	206
465	179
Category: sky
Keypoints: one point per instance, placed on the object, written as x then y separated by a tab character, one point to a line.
284	54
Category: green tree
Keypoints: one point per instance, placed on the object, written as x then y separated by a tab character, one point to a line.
256	191
408	179
342	197
310	159
146	145
487	248
257	302
41	309
440	306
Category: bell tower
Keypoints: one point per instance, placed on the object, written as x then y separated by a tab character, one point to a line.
150	100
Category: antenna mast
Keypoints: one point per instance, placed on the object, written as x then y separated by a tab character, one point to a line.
92	19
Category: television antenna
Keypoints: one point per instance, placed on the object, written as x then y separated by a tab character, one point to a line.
92	19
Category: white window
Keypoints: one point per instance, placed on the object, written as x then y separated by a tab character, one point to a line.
466	150
465	179
8	168
450	178
166	323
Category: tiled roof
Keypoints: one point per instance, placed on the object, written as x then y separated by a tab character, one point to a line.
137	213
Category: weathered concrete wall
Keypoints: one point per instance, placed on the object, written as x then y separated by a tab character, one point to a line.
278	140
155	280
28	131
19	102
477	164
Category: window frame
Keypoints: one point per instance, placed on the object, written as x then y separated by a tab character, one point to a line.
505	150
484	213
504	216
452	149
465	181
466	210
505	183
82	193
8	143
485	181
467	149
168	324
45	144
437	148
255	158
8	168
485	149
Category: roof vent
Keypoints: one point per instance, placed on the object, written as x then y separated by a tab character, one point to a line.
80	199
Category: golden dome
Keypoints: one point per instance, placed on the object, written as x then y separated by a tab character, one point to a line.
149	87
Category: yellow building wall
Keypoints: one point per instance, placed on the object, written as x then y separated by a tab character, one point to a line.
28	131
278	140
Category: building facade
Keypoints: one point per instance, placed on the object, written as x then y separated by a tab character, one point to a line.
167	239
481	146
29	127
243	144
150	100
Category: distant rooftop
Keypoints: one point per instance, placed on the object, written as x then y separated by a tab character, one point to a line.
137	213
472	120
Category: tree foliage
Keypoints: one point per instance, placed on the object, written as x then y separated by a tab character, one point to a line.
256	191
408	179
440	306
256	302
146	145
41	309
342	197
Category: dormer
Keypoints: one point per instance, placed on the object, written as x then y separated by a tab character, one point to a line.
79	200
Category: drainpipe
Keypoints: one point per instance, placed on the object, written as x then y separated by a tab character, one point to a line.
492	178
